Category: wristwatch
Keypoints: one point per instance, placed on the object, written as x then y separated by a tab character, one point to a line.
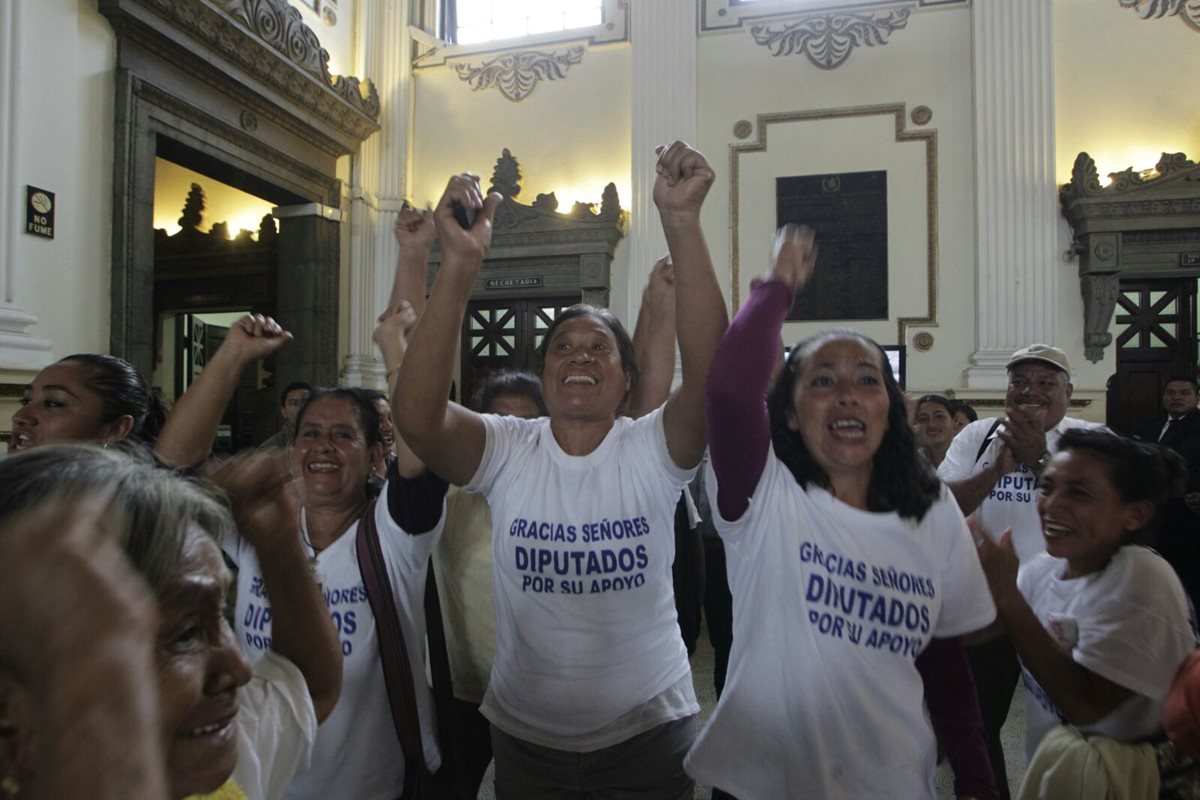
1041	463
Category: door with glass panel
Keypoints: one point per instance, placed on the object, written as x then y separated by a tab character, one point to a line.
1155	338
504	334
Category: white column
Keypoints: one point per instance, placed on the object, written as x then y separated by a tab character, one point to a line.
18	349
663	35
1016	197
378	180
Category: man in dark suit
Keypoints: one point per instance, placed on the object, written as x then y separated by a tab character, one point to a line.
1178	535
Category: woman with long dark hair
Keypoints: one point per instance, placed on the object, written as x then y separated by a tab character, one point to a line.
846	556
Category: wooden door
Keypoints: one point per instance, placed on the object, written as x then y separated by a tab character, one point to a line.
504	334
1156	322
196	343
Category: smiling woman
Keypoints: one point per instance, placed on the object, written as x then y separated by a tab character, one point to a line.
166	526
589	656
844	545
336	440
1101	625
87	397
934	426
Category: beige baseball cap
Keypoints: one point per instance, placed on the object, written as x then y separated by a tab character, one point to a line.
1043	353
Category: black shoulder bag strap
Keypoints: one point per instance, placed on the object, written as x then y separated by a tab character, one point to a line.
991	434
393	654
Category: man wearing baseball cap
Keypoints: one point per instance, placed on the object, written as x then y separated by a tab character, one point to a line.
993	467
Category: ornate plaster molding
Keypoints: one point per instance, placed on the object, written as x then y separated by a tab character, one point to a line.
1138	225
1187	10
265	39
280	26
1099	301
898	111
1172	168
518	73
572	250
828	39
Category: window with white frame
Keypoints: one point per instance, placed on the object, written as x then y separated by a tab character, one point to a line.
468	27
489	20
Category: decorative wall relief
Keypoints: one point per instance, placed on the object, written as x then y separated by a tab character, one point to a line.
828	39
1187	10
517	74
265	38
1142	224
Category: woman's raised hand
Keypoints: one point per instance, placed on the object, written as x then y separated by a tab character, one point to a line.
466	244
414	228
998	559
70	592
255	336
684	178
793	256
391	334
265	505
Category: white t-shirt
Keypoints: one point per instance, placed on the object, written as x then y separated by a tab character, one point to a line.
831	606
1128	623
586	627
276	728
1012	503
357	753
463	561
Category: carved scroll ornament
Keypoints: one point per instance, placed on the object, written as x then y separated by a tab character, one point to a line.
1099	301
1172	170
517	74
828	39
265	38
281	27
1187	10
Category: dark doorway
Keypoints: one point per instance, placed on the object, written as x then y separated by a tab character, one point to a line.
251	415
504	334
1156	320
215	263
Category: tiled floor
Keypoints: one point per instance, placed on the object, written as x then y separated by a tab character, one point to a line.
1013	734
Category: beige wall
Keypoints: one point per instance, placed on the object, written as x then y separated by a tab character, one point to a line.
65	135
570	136
927	63
1121	95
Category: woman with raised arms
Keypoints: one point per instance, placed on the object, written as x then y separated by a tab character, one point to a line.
846	556
589	658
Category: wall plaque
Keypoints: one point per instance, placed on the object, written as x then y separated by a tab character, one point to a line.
1189	259
848	210
39	212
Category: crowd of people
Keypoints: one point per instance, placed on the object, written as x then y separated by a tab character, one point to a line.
397	591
